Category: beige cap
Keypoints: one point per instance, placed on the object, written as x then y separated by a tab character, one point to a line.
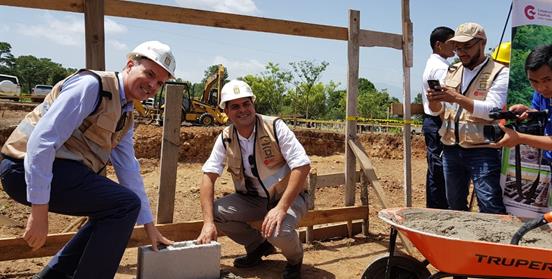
468	31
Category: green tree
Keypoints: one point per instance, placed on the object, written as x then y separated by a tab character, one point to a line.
418	98
269	88
7	61
335	102
371	102
32	71
307	74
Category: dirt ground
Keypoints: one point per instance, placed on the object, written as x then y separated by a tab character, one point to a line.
336	258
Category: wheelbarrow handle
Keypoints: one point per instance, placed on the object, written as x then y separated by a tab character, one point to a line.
530	225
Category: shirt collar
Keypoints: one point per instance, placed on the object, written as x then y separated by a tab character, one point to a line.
476	68
240	137
439	57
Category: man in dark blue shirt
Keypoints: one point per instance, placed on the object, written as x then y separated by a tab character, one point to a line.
538	67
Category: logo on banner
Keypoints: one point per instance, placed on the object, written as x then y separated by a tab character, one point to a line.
530	12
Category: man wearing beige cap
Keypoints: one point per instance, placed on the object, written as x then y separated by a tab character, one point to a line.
472	88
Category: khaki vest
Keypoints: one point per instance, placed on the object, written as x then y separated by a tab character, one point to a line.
459	125
94	139
272	169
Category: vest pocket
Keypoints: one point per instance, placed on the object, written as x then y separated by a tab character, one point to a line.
101	132
471	133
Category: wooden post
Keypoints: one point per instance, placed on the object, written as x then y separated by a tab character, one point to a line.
364	200
407	64
169	153
312	196
352	92
94	34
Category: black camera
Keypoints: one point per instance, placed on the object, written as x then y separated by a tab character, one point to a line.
534	124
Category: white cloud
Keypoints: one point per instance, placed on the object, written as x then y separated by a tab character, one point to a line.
67	31
112	27
117	45
239	68
246	7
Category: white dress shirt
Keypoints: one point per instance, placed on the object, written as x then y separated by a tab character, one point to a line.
291	149
496	97
436	68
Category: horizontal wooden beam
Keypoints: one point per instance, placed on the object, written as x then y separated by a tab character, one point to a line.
128	9
333	179
17	248
331	231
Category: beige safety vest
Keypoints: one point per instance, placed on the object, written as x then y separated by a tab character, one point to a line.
272	169
459	125
93	141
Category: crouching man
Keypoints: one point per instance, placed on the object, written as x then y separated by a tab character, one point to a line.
268	167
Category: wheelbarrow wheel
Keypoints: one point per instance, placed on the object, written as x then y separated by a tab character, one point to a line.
402	267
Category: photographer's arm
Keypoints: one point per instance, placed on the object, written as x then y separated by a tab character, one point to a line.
512	138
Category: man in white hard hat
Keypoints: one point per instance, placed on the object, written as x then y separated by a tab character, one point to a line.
472	88
269	168
54	159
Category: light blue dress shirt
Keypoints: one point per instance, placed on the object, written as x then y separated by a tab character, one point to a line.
77	101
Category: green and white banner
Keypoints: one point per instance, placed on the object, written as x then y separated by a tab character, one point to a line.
530	197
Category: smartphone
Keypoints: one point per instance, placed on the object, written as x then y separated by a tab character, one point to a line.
434	84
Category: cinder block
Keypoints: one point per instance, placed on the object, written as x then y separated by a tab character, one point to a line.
181	260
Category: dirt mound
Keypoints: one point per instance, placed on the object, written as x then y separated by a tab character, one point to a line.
196	143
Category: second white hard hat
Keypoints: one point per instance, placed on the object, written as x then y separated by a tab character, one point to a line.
235	89
157	52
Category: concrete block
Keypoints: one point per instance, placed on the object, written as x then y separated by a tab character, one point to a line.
181	260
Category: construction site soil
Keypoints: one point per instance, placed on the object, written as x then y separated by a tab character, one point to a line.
335	258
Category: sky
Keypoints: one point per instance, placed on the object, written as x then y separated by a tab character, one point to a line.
60	36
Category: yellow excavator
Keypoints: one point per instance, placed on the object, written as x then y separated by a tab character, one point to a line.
204	112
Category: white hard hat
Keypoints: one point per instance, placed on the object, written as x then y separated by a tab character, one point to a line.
157	52
235	89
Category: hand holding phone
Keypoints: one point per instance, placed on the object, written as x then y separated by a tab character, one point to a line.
434	85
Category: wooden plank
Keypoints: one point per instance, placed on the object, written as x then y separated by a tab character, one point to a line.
94	34
334	179
368	169
310	204
326	232
170	147
380	39
407	64
351	112
364	201
163	13
397	109
16	248
76	6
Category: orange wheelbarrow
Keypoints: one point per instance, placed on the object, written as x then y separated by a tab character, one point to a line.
458	258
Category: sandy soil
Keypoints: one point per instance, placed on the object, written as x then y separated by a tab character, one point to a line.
337	258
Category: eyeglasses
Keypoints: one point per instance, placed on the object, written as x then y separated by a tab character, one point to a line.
466	47
251	160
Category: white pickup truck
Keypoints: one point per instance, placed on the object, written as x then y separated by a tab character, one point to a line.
39	91
9	87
